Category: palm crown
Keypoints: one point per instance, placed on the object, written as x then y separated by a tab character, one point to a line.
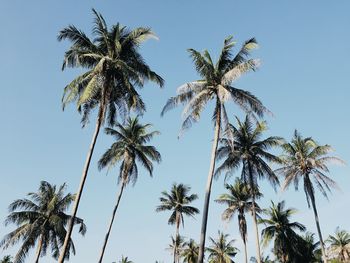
216	83
279	228
340	243
222	249
190	252
243	146
40	219
130	147
114	66
178	201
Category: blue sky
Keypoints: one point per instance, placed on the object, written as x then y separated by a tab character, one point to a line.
303	80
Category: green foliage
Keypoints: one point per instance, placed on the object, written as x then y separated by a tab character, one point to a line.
340	244
216	84
238	201
6	259
40	218
279	229
115	69
190	252
130	147
221	249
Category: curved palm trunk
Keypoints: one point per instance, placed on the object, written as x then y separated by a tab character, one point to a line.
324	256
208	187
112	220
40	245
257	241
80	190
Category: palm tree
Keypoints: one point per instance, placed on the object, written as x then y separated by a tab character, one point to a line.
308	249
340	244
222	249
281	230
177	244
306	160
125	260
190	252
41	220
243	147
6	259
129	149
177	201
114	69
216	85
238	201
263	260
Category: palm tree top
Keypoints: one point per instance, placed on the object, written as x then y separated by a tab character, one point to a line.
178	201
131	139
222	249
114	68
303	158
216	83
244	145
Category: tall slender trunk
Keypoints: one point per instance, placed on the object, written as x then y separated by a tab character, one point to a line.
176	256
38	252
112	220
313	202
245	251
252	188
80	190
208	187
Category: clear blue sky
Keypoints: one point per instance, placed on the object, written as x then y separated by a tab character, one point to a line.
303	80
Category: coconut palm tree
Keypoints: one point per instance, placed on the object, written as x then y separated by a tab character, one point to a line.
280	229
305	160
190	252
177	244
243	147
307	249
114	70
41	220
263	260
125	260
340	244
238	201
177	201
216	85
129	149
221	249
6	259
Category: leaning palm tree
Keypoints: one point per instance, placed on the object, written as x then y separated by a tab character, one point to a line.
129	149
340	244
306	160
114	69
178	202
222	249
41	220
243	147
216	85
190	252
238	201
281	230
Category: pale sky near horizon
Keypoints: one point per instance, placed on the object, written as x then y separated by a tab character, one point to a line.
303	80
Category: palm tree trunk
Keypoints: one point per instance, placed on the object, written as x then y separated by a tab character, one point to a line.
313	202
40	245
80	190
245	251
252	188
112	219
208	187
176	256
